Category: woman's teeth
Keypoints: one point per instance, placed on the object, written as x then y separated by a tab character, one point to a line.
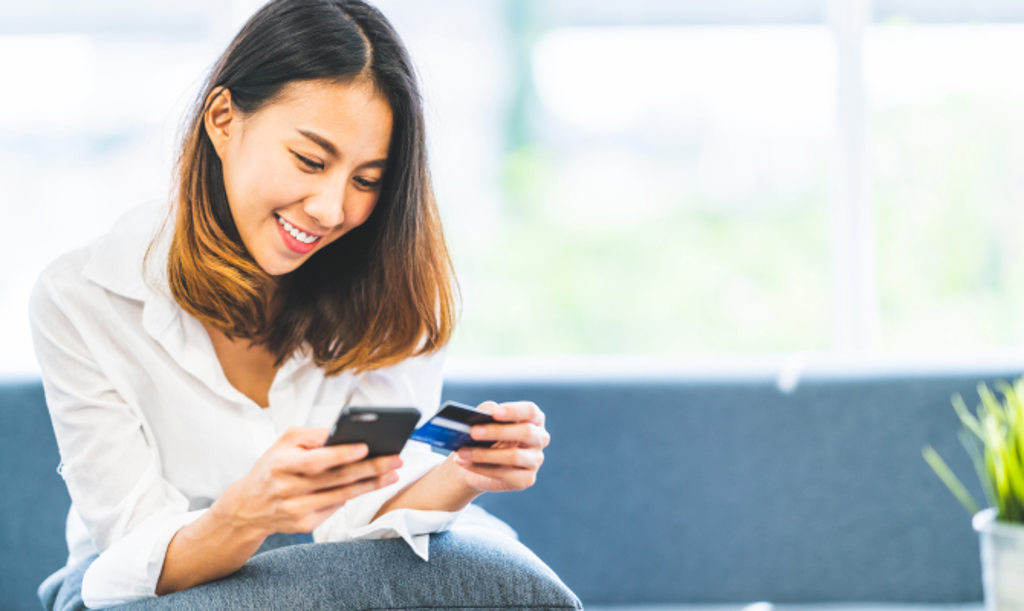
298	235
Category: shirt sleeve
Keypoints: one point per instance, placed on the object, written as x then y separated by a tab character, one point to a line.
109	462
415	381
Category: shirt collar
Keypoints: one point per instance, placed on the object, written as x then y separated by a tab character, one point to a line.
118	263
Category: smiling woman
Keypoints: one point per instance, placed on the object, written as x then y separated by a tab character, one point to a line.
194	358
320	133
310	192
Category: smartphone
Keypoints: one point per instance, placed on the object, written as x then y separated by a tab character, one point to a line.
384	429
448	429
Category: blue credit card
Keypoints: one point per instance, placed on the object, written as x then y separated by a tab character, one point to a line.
448	429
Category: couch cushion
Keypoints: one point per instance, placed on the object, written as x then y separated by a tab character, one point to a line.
719	490
34	504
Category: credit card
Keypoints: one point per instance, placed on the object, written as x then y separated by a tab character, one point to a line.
448	429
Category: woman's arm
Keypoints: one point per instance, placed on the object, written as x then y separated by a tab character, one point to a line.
209	548
440	489
293	487
510	464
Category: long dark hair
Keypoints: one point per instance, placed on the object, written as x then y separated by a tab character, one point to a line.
378	294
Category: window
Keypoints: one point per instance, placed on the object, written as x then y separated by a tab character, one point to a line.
947	172
647	178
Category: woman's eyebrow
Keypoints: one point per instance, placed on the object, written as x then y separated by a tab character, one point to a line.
332	150
324	143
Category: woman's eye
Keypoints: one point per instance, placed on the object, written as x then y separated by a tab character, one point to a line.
309	163
367	184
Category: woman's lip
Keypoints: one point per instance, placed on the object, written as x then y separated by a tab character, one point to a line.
293	244
302	229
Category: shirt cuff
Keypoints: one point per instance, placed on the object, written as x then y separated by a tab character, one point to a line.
129	569
353	520
412	525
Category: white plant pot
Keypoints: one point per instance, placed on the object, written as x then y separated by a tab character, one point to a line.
1002	561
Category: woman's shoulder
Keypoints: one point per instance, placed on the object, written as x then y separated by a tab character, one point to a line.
113	262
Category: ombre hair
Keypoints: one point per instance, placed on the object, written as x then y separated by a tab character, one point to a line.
378	294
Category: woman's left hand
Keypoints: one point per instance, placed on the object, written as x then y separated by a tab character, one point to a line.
518	452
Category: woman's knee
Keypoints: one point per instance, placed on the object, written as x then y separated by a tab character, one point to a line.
468	567
494	567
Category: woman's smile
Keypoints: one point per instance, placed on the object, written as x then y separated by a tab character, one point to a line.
295	238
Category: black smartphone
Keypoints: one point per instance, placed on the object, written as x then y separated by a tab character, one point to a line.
384	429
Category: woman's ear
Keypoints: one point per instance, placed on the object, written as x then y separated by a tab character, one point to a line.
219	119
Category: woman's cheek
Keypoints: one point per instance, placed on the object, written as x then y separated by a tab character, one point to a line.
365	204
368	206
281	187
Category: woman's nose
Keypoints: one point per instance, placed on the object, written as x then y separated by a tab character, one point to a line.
327	207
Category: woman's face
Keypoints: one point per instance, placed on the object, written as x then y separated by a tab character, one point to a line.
303	170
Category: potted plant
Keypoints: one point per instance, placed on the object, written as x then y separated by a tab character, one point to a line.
994	439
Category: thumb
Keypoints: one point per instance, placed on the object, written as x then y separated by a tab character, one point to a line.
304	437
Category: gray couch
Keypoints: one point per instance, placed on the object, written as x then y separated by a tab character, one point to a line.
670	489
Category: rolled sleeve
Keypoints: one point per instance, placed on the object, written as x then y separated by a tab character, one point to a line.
417	382
129	569
355	519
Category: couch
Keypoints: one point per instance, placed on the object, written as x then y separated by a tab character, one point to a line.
672	487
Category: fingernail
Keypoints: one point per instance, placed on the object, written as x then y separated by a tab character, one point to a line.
464	454
476	431
500	411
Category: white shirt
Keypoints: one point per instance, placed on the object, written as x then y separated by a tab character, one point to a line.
151	432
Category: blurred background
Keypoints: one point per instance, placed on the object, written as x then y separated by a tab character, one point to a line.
674	179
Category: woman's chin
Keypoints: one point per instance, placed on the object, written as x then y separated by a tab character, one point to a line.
276	267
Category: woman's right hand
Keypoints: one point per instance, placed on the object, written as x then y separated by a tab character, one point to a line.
298	483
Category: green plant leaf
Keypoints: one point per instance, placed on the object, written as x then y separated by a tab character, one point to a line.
993	437
950	479
974	449
1015	483
991	405
966	417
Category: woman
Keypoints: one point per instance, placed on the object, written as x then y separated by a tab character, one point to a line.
192	367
